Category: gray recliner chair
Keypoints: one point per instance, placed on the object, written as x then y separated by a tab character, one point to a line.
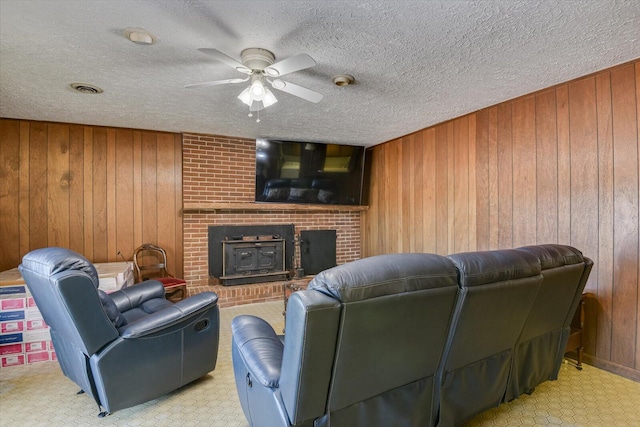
127	347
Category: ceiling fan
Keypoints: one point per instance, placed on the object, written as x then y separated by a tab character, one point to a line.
259	65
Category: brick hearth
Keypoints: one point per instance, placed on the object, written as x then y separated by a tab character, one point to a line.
246	294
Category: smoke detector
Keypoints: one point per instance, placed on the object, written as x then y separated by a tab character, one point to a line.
139	36
342	80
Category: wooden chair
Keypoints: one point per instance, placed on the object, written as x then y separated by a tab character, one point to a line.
150	262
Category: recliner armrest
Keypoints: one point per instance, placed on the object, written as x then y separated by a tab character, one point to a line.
133	296
179	313
260	349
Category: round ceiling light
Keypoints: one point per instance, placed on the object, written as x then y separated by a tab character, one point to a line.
86	88
139	36
342	80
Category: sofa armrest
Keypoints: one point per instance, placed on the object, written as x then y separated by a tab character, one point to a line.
176	315
260	349
133	296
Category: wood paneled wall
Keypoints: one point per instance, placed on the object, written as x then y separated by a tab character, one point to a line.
95	190
558	166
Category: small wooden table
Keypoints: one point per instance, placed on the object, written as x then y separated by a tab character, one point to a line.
291	286
575	336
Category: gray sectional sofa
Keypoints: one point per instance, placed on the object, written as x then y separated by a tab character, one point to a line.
411	339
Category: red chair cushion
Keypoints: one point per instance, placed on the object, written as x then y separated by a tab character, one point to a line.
168	282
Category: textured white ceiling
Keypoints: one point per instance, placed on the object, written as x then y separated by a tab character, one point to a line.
416	63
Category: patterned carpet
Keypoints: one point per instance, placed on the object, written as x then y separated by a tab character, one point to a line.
40	395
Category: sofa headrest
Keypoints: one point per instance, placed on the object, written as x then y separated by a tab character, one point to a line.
50	261
385	275
477	268
551	255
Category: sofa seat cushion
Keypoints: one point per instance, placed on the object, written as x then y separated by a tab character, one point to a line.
146	308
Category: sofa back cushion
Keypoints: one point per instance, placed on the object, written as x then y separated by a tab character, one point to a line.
382	275
562	269
539	351
396	311
497	289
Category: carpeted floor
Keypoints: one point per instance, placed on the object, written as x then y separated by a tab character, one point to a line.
40	395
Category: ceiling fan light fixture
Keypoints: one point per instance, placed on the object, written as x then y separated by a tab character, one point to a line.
269	98
245	96
257	90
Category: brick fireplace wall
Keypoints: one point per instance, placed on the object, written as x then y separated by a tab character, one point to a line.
221	169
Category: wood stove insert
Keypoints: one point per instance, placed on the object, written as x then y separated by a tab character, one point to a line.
244	254
253	259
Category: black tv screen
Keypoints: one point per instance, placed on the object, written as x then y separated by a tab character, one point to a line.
308	172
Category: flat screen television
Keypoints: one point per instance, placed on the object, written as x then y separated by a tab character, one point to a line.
309	172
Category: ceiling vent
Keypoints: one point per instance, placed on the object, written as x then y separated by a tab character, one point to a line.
342	80
86	88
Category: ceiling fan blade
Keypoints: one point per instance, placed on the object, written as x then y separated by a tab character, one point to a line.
216	83
299	91
289	65
219	56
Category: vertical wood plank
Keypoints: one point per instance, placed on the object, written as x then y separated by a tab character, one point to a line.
179	226
625	187
494	192
124	192
407	199
112	220
505	177
380	243
583	135
58	185
604	269
483	197
460	168
472	233
9	194
429	207
149	191
418	190
398	195
38	233
382	197
524	171
369	219
546	168
564	166
637	84
88	186
442	187
451	205
395	197
137	191
100	217
166	197
76	188
25	242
